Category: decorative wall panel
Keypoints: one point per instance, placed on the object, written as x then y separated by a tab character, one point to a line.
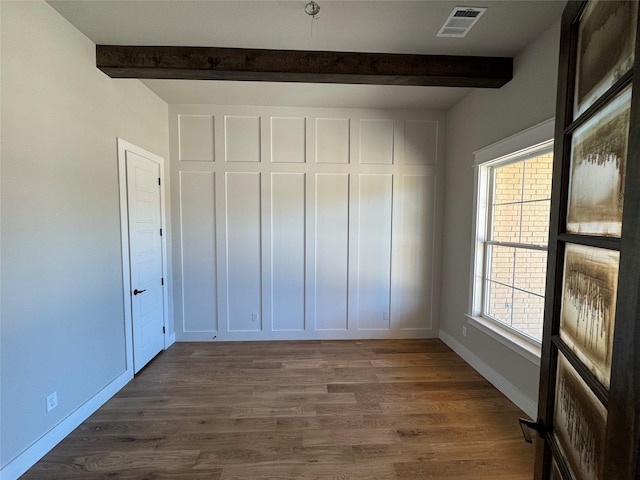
376	142
288	251
374	251
198	252
332	251
196	138
288	140
244	269
242	138
332	140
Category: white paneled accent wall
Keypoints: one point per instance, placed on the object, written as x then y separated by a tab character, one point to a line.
305	223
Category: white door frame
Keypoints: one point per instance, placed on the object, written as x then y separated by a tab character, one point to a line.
123	148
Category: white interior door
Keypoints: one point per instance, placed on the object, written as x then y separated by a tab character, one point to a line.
145	258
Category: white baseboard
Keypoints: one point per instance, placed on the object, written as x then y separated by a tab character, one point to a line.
277	335
28	458
526	404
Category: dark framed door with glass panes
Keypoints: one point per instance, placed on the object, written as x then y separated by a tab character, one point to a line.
589	400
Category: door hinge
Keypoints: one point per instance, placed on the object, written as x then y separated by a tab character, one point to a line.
163	330
162	281
158	180
160	232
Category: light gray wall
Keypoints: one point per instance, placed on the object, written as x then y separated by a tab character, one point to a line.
480	119
62	321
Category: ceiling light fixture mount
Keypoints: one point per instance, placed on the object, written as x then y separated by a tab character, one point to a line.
312	9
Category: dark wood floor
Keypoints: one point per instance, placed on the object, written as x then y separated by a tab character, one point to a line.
344	410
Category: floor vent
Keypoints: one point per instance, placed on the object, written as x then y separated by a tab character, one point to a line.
460	21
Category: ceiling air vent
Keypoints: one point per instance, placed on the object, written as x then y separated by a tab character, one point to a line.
460	21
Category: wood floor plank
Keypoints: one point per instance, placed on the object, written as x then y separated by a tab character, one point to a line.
182	424
261	455
404	387
349	436
317	410
312	472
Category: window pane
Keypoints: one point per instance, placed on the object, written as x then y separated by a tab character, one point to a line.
501	265
531	270
500	302
535	222
508	183
514	276
537	177
528	313
506	223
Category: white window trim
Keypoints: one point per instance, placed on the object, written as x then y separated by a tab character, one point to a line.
525	348
521	145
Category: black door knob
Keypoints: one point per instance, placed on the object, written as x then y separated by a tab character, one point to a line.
136	291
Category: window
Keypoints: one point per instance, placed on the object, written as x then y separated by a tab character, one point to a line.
512	227
516	247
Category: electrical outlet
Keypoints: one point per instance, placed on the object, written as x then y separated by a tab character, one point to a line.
385	315
254	317
52	401
464	331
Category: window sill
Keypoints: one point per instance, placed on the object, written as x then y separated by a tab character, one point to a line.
527	350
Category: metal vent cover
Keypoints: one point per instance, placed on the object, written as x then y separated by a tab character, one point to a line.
460	21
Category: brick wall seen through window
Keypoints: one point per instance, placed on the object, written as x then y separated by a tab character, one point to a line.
516	247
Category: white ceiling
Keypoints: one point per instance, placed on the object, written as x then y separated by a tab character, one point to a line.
343	25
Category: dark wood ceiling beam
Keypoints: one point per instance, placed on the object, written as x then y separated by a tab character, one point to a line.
213	63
